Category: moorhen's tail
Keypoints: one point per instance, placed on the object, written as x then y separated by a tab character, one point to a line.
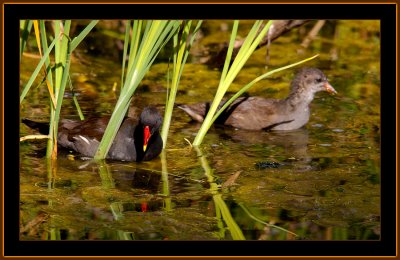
199	111
42	127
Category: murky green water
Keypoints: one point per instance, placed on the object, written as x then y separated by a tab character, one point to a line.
321	182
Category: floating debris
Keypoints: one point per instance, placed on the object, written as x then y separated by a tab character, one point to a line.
325	145
267	165
317	125
231	180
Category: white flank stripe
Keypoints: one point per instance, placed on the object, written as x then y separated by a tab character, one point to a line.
84	139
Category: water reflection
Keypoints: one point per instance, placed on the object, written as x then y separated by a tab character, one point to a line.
136	178
120	192
293	145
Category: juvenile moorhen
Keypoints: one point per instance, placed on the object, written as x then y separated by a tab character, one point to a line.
136	140
257	113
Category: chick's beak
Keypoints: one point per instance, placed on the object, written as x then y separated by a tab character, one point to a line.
146	137
329	88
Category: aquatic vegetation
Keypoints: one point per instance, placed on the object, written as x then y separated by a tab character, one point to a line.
63	46
155	35
182	44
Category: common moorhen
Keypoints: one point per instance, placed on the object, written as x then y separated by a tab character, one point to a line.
257	113
136	140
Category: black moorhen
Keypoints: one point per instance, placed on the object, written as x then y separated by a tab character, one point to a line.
136	140
257	113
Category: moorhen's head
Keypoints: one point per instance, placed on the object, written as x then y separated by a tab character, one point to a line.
151	121
309	81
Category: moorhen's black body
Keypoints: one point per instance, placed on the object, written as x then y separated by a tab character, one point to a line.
136	140
257	113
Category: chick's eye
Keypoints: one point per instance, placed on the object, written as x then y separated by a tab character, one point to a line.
318	80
